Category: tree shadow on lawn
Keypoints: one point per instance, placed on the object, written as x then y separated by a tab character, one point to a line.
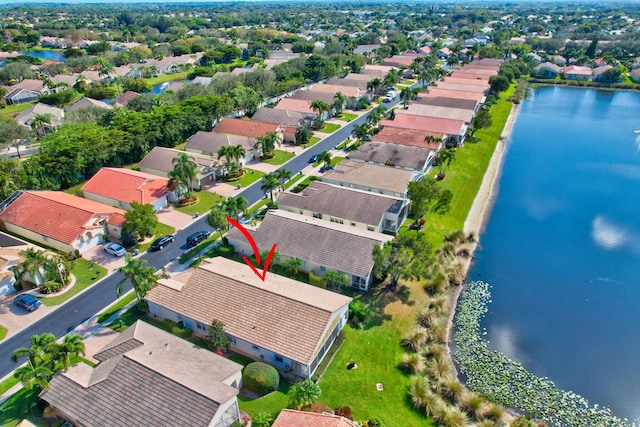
378	299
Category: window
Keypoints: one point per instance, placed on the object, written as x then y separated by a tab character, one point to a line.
255	347
353	224
370	228
201	326
279	359
317	215
323	268
337	220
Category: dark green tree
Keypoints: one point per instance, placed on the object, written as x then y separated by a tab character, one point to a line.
216	338
140	220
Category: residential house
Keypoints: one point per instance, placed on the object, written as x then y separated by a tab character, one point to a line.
59	220
357	83
147	376
559	60
598	72
361	209
249	128
10	256
466	74
203	80
636	63
463	87
124	99
441	101
577	72
302	106
424	51
536	58
547	70
362	79
159	162
442	112
444	53
397	62
415	159
635	75
320	245
65	79
280	321
377	70
288	120
293	418
85	102
370	177
119	187
348	91
365	48
54	115
409	137
312	95
453	130
209	143
27	90
466	81
446	93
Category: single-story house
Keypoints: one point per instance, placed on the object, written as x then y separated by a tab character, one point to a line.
358	83
65	79
56	116
10	256
458	94
462	87
369	177
302	106
361	209
285	323
441	101
635	75
536	58
85	102
293	418
577	72
355	77
147	376
559	60
441	112
59	220
159	162
365	48
333	89
598	72
120	186
547	70
250	128
312	95
321	245
415	159
27	90
397	62
377	70
444	53
466	81
208	144
454	130
202	80
409	137
289	120
424	51
468	74
124	99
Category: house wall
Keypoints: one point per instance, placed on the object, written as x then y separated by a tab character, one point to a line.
361	225
361	283
6	285
577	77
38	238
362	187
22	97
226	414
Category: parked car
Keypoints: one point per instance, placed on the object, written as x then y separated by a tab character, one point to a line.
161	242
197	237
326	168
27	301
313	158
390	97
114	249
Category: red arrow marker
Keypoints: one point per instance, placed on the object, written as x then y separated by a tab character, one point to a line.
256	252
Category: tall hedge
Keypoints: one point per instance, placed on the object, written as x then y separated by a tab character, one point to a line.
260	378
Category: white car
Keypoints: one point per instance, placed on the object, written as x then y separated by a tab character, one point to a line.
115	249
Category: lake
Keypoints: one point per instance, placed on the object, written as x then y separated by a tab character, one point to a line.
46	54
562	245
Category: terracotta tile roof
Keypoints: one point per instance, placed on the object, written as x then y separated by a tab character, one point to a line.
126	185
377	70
446	93
403	156
467	81
397	62
462	87
228	291
297	105
441	112
441	101
251	128
371	176
479	70
55	214
291	418
126	97
346	203
410	137
175	383
428	124
577	70
470	75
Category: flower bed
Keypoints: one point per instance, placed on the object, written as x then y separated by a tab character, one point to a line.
502	380
187	201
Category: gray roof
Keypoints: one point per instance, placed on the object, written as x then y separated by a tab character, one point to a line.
164	381
279	314
346	203
370	176
335	246
282	117
548	65
85	102
210	143
312	95
441	101
401	155
362	84
159	159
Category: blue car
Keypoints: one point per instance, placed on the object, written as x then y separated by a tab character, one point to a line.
27	301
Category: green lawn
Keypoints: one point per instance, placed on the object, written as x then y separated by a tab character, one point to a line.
161	230
86	274
272	403
76	190
347	117
313	140
3	332
206	200
329	128
13	110
280	157
7	384
22	405
167	78
249	177
117	306
258	205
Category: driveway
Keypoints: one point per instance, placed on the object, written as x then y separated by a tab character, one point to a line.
174	218
15	318
98	256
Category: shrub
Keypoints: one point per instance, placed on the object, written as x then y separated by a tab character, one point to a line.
18	286
50	286
345	411
317	281
376	422
260	378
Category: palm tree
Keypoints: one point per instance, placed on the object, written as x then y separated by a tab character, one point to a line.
336	279
30	375
106	67
275	258
431	140
41	359
320	108
234	206
72	345
176	181
34	261
267	143
325	157
445	158
374	85
293	265
142	276
339	101
304	393
283	175
362	132
238	153
269	183
406	94
187	169
226	151
391	78
40	122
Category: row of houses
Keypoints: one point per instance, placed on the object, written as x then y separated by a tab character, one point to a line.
549	70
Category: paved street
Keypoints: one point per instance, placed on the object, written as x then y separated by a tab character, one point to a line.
66	317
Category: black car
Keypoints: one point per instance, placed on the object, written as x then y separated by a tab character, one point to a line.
161	242
198	237
313	158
